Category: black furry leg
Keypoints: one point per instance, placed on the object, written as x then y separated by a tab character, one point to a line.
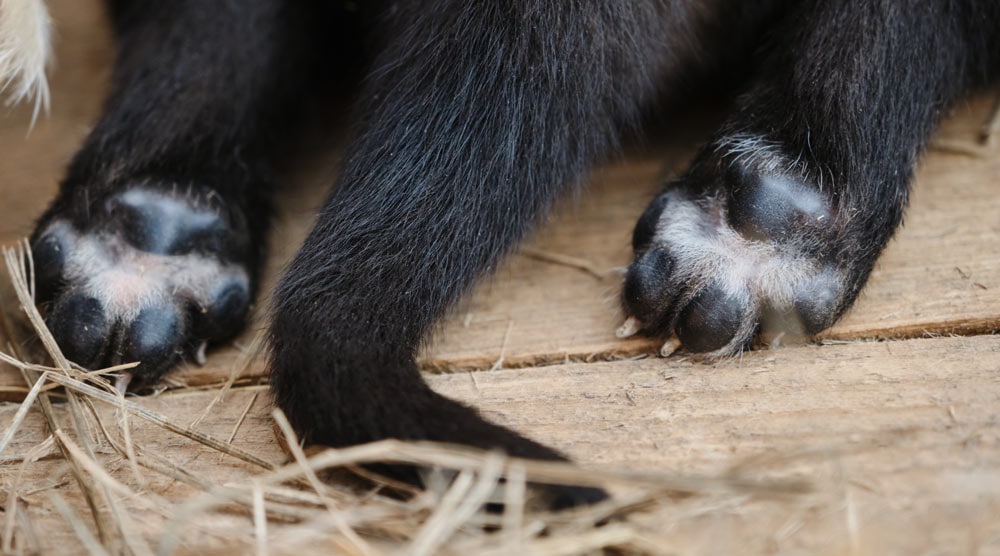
779	221
480	114
152	247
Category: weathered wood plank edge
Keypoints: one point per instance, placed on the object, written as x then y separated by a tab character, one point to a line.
197	378
640	347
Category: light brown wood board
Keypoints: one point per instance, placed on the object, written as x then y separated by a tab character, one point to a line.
899	442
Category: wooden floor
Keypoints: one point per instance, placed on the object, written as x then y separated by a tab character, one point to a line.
898	406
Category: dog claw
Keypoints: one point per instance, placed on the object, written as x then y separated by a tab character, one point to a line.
628	328
122	381
669	347
199	354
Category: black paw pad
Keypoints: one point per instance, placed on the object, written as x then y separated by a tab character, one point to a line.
645	228
165	225
647	292
49	263
224	314
80	326
154	339
818	302
711	320
559	497
774	207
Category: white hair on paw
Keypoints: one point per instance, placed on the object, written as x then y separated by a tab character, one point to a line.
25	29
771	157
126	280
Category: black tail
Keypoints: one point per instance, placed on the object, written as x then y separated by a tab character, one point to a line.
479	114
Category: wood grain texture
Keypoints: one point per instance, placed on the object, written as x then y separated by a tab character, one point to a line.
901	437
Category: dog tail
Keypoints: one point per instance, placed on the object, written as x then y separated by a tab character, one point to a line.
25	51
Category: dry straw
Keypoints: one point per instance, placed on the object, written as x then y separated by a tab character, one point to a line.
112	505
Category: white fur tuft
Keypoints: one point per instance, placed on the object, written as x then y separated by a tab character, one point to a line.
25	29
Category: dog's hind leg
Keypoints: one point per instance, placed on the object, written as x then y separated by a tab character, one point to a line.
478	115
779	221
152	247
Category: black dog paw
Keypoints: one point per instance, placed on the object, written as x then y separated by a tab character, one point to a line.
740	246
145	274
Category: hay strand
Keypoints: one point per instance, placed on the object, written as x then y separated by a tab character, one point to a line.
289	505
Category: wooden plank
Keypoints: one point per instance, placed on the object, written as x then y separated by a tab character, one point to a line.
51	475
941	274
902	435
899	438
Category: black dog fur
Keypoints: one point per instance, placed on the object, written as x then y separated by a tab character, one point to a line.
473	118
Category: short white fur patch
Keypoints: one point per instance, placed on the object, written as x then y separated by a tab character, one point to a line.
705	249
754	151
769	157
25	51
741	266
126	280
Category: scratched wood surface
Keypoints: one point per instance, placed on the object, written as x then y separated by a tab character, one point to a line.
900	435
898	440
